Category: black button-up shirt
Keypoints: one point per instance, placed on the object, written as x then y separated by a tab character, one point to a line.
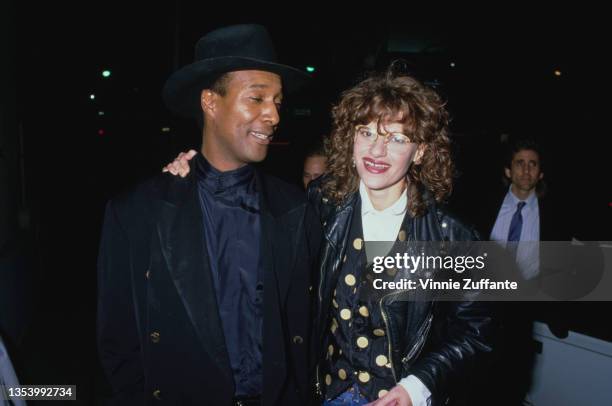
230	207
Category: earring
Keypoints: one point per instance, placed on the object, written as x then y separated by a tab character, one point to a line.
353	162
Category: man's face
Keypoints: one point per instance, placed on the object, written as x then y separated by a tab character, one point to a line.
524	171
240	124
314	166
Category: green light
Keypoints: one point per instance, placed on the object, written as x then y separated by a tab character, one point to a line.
106	73
310	69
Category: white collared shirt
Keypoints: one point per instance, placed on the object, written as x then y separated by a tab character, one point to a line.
527	255
381	225
384	225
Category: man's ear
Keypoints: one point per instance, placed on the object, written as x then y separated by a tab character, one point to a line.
208	101
418	155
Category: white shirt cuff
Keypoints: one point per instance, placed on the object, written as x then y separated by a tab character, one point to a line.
420	395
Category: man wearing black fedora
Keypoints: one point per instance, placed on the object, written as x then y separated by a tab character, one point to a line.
204	281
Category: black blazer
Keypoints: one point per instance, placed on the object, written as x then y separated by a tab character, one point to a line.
556	223
159	334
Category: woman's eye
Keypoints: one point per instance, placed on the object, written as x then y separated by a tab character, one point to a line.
399	139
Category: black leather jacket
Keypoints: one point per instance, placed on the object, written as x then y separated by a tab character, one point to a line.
435	341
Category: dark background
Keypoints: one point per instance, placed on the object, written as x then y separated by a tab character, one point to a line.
61	160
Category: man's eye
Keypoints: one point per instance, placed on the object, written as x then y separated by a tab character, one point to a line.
257	99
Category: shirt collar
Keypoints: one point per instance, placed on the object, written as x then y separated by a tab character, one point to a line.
531	201
216	181
396	209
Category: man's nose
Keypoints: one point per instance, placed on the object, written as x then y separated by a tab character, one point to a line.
270	114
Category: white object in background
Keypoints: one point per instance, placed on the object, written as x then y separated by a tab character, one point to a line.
575	370
8	377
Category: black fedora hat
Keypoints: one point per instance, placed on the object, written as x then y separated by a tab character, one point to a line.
228	49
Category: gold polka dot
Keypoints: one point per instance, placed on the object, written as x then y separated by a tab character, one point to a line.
381	360
362	342
345	314
391	271
364	377
402	235
379	332
335	303
330	350
328	379
342	374
382	393
350	279
364	311
357	243
334	326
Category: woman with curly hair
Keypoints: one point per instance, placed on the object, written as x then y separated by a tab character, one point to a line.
389	168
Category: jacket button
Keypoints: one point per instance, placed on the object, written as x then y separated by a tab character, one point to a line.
155	337
298	340
157	394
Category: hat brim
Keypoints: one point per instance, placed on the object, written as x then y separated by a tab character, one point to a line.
182	90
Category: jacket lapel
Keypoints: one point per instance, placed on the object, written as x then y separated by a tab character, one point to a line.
183	248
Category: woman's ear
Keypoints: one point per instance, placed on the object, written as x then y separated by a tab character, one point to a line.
418	155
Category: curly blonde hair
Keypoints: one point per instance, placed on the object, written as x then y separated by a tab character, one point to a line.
392	97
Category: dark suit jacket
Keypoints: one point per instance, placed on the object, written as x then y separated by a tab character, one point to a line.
159	334
555	220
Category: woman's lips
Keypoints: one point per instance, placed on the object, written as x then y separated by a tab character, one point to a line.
376	167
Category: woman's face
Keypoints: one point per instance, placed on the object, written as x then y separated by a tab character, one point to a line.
382	159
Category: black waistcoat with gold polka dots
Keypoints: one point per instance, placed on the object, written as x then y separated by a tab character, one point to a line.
357	349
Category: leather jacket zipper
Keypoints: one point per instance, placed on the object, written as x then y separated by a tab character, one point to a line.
388	336
418	346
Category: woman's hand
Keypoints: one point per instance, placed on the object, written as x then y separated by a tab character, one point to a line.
396	397
180	165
